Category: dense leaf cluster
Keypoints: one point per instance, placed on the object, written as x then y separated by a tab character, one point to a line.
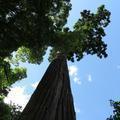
86	36
116	111
92	25
9	112
9	74
30	23
36	25
4	111
29	27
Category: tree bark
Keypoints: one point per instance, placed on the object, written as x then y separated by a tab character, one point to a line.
52	99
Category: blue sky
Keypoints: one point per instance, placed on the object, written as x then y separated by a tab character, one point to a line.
94	81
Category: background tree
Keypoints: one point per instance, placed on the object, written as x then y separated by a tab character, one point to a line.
10	72
36	25
116	110
9	112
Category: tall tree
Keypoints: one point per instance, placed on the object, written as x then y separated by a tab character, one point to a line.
52	98
29	27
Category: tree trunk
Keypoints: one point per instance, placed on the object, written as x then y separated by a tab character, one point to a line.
52	99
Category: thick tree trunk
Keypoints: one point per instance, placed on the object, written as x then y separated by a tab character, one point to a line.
52	99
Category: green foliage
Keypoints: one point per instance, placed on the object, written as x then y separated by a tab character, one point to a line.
26	23
4	111
9	74
9	112
33	26
116	110
29	27
31	55
15	111
86	36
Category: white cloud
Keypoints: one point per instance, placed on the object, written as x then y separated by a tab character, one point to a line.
89	78
18	96
73	70
77	110
34	85
77	80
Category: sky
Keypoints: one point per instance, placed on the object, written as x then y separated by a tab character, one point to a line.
94	81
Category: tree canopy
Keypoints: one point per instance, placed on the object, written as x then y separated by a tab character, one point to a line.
36	25
29	27
31	23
